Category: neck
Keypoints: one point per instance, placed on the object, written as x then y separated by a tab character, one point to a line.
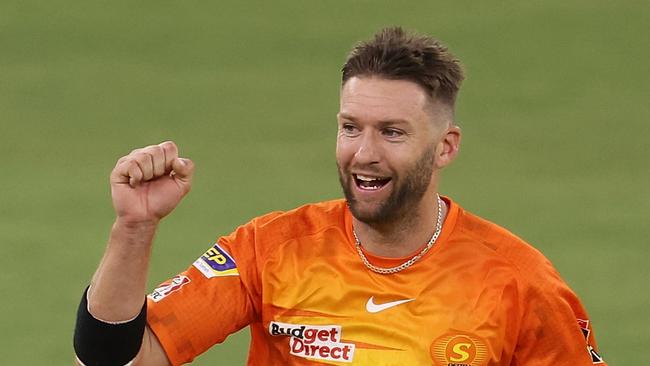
402	236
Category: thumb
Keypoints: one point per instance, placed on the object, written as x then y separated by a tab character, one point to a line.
183	169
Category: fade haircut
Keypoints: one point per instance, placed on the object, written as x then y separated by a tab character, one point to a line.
399	55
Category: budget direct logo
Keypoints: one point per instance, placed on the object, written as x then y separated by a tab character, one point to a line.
459	349
321	342
216	262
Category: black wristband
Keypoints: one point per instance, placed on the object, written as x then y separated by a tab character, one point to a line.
99	343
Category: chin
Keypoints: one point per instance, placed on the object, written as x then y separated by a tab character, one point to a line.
369	213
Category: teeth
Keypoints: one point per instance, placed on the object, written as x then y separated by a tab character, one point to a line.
367	179
371	188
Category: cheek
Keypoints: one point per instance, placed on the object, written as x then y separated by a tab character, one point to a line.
404	162
344	152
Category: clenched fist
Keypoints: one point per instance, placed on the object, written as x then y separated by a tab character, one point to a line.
148	184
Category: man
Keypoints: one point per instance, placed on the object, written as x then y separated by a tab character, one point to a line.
392	275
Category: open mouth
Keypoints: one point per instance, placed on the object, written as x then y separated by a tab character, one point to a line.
368	183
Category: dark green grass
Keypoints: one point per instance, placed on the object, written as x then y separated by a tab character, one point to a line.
554	115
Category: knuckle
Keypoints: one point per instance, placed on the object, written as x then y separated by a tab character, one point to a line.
167	144
133	167
170	148
155	152
143	157
123	164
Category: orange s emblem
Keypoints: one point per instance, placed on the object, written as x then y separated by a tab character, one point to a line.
459	349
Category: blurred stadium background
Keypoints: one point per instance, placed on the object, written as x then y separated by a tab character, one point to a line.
554	113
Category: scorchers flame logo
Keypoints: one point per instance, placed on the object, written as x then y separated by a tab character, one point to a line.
459	349
322	342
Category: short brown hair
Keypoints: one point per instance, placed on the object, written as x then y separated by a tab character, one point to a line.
396	54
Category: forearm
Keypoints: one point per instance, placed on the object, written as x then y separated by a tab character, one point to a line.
146	185
119	284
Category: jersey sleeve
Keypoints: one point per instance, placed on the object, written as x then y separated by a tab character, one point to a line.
216	296
555	329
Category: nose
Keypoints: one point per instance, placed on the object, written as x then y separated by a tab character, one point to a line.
367	150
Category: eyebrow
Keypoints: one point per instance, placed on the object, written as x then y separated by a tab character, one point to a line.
382	123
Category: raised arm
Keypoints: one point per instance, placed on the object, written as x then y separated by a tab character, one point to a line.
146	185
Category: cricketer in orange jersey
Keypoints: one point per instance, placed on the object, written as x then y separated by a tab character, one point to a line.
392	275
480	296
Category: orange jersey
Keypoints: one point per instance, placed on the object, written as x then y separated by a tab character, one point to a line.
480	296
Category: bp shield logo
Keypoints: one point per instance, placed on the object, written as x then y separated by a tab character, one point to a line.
216	262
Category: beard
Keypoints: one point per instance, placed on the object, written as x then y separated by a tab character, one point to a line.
406	194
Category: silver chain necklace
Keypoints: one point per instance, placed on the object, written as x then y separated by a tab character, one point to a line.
408	263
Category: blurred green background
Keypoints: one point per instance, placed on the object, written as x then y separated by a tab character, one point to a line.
554	113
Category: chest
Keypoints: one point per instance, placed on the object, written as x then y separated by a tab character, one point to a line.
324	304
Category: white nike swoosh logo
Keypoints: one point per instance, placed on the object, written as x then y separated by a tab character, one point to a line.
371	307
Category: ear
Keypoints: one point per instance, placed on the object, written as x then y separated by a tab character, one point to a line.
448	146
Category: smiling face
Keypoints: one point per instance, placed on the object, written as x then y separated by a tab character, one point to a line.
392	139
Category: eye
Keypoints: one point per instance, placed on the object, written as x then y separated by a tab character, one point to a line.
392	133
349	129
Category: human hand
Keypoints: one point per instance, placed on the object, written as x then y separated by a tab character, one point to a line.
148	183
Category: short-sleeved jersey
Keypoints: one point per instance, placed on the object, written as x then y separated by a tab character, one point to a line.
480	296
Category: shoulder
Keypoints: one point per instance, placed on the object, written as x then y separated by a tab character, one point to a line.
280	226
305	219
497	242
503	257
257	243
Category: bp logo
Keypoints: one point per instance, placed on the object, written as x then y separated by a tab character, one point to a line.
459	349
216	262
